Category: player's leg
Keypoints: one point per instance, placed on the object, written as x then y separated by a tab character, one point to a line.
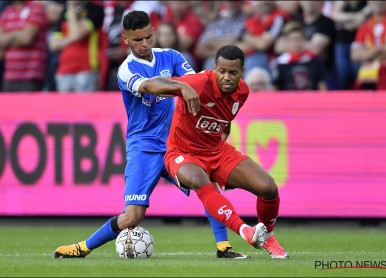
142	173
132	216
224	248
107	232
252	177
190	172
218	205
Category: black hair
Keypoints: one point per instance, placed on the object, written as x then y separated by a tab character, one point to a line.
231	52
135	20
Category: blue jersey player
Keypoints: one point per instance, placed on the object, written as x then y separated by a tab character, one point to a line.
149	114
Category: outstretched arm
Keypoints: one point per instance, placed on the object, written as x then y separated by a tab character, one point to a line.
165	87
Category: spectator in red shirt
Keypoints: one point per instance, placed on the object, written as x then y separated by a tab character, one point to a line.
3	5
188	24
369	49
261	31
78	40
23	29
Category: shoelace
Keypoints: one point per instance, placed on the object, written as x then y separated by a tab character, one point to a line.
230	249
77	252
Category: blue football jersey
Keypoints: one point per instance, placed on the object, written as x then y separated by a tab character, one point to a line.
149	116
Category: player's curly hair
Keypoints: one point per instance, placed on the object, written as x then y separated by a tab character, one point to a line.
231	52
135	20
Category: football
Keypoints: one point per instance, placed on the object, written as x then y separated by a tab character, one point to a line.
134	243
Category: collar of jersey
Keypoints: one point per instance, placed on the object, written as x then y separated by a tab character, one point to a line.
142	61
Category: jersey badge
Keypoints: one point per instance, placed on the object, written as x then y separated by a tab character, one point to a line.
235	108
165	73
179	159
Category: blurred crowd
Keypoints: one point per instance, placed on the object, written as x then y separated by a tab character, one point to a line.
76	46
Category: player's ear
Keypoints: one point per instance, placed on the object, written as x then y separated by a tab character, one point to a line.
124	38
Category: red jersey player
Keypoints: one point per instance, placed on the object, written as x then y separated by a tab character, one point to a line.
197	155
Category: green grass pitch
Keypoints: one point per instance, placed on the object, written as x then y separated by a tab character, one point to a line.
189	251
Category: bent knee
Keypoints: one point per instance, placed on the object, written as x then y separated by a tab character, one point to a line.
198	181
130	218
268	190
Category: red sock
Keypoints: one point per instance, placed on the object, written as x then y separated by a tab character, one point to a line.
267	211
219	207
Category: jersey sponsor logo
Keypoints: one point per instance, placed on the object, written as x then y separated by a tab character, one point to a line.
165	73
135	197
148	102
210	104
186	66
158	98
227	212
235	107
131	82
179	159
145	101
211	125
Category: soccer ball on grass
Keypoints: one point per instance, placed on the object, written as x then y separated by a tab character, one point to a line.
134	243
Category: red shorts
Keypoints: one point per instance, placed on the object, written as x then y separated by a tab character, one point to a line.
218	164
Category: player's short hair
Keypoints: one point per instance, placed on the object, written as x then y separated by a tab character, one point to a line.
135	20
231	52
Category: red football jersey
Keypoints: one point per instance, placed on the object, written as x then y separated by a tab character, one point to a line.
202	132
25	62
371	33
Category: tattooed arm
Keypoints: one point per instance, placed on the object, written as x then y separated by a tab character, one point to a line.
161	86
